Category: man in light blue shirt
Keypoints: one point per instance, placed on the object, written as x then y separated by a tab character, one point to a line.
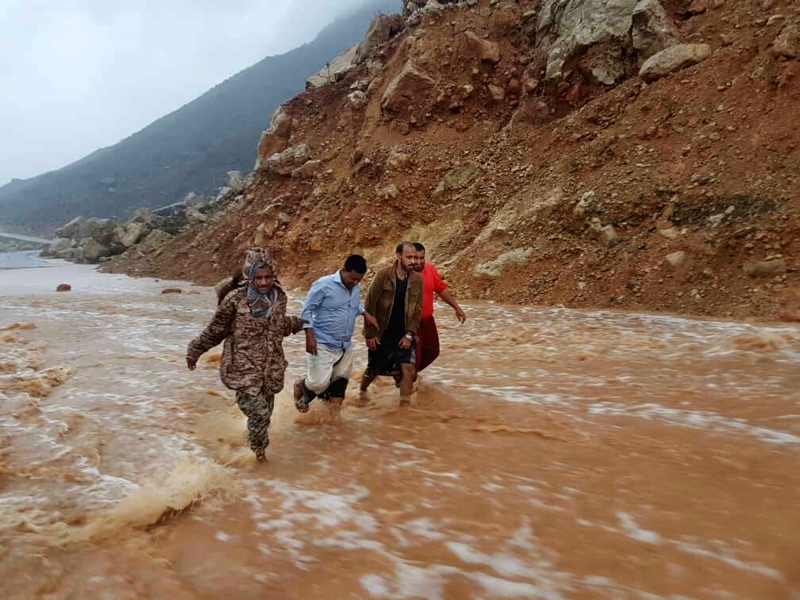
330	312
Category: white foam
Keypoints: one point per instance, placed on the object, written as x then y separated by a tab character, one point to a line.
728	559
633	531
375	585
694	419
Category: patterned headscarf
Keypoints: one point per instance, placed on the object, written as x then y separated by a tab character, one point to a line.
261	306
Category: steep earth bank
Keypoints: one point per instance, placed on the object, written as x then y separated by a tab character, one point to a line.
648	161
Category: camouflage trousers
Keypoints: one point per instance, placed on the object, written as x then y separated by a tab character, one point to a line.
258	410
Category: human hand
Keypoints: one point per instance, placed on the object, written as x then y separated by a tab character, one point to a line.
460	314
311	342
405	343
373	343
370	320
191	363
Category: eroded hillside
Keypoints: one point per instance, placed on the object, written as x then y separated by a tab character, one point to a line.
539	165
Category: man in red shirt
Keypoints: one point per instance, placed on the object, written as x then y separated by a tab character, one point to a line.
427	334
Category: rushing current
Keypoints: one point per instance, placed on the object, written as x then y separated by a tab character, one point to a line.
551	453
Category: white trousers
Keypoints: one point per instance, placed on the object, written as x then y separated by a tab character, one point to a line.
327	366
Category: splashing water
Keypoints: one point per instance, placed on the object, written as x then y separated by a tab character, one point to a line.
550	454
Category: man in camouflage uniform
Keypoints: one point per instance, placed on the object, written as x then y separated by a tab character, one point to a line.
252	322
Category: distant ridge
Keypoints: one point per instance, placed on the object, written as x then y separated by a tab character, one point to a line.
188	150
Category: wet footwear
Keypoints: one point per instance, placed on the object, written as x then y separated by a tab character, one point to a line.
300	400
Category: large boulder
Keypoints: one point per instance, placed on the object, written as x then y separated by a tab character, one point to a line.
275	139
70	229
309	169
653	30
787	44
335	70
409	86
358	99
100	230
485	50
598	37
91	251
134	233
381	30
60	248
672	60
153	242
412	6
236	180
286	162
590	32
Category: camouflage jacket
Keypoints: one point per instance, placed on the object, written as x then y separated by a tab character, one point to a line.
252	356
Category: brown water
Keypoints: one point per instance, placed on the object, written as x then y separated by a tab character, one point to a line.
551	454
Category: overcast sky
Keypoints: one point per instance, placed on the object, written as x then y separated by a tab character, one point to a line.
77	75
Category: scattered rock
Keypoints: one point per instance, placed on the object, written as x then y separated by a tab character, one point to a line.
606	232
676	259
498	94
765	268
410	86
698	7
172	290
397	159
494	268
63	287
533	111
358	99
673	59
458	178
671	233
787	44
584	203
288	160
388	192
485	50
308	170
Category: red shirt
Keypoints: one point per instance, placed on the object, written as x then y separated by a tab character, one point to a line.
432	283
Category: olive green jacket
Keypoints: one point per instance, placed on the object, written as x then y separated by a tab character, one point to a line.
380	299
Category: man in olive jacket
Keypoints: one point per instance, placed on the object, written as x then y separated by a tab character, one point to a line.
395	299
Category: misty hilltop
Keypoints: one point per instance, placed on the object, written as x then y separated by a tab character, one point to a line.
188	150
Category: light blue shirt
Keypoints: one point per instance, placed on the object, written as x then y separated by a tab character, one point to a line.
331	310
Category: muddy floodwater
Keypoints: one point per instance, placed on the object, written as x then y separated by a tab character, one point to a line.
551	453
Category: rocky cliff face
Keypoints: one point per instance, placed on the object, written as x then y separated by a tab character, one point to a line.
626	153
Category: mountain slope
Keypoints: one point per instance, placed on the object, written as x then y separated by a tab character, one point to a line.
189	150
487	136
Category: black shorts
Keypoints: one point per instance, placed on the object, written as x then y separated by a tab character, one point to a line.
386	360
